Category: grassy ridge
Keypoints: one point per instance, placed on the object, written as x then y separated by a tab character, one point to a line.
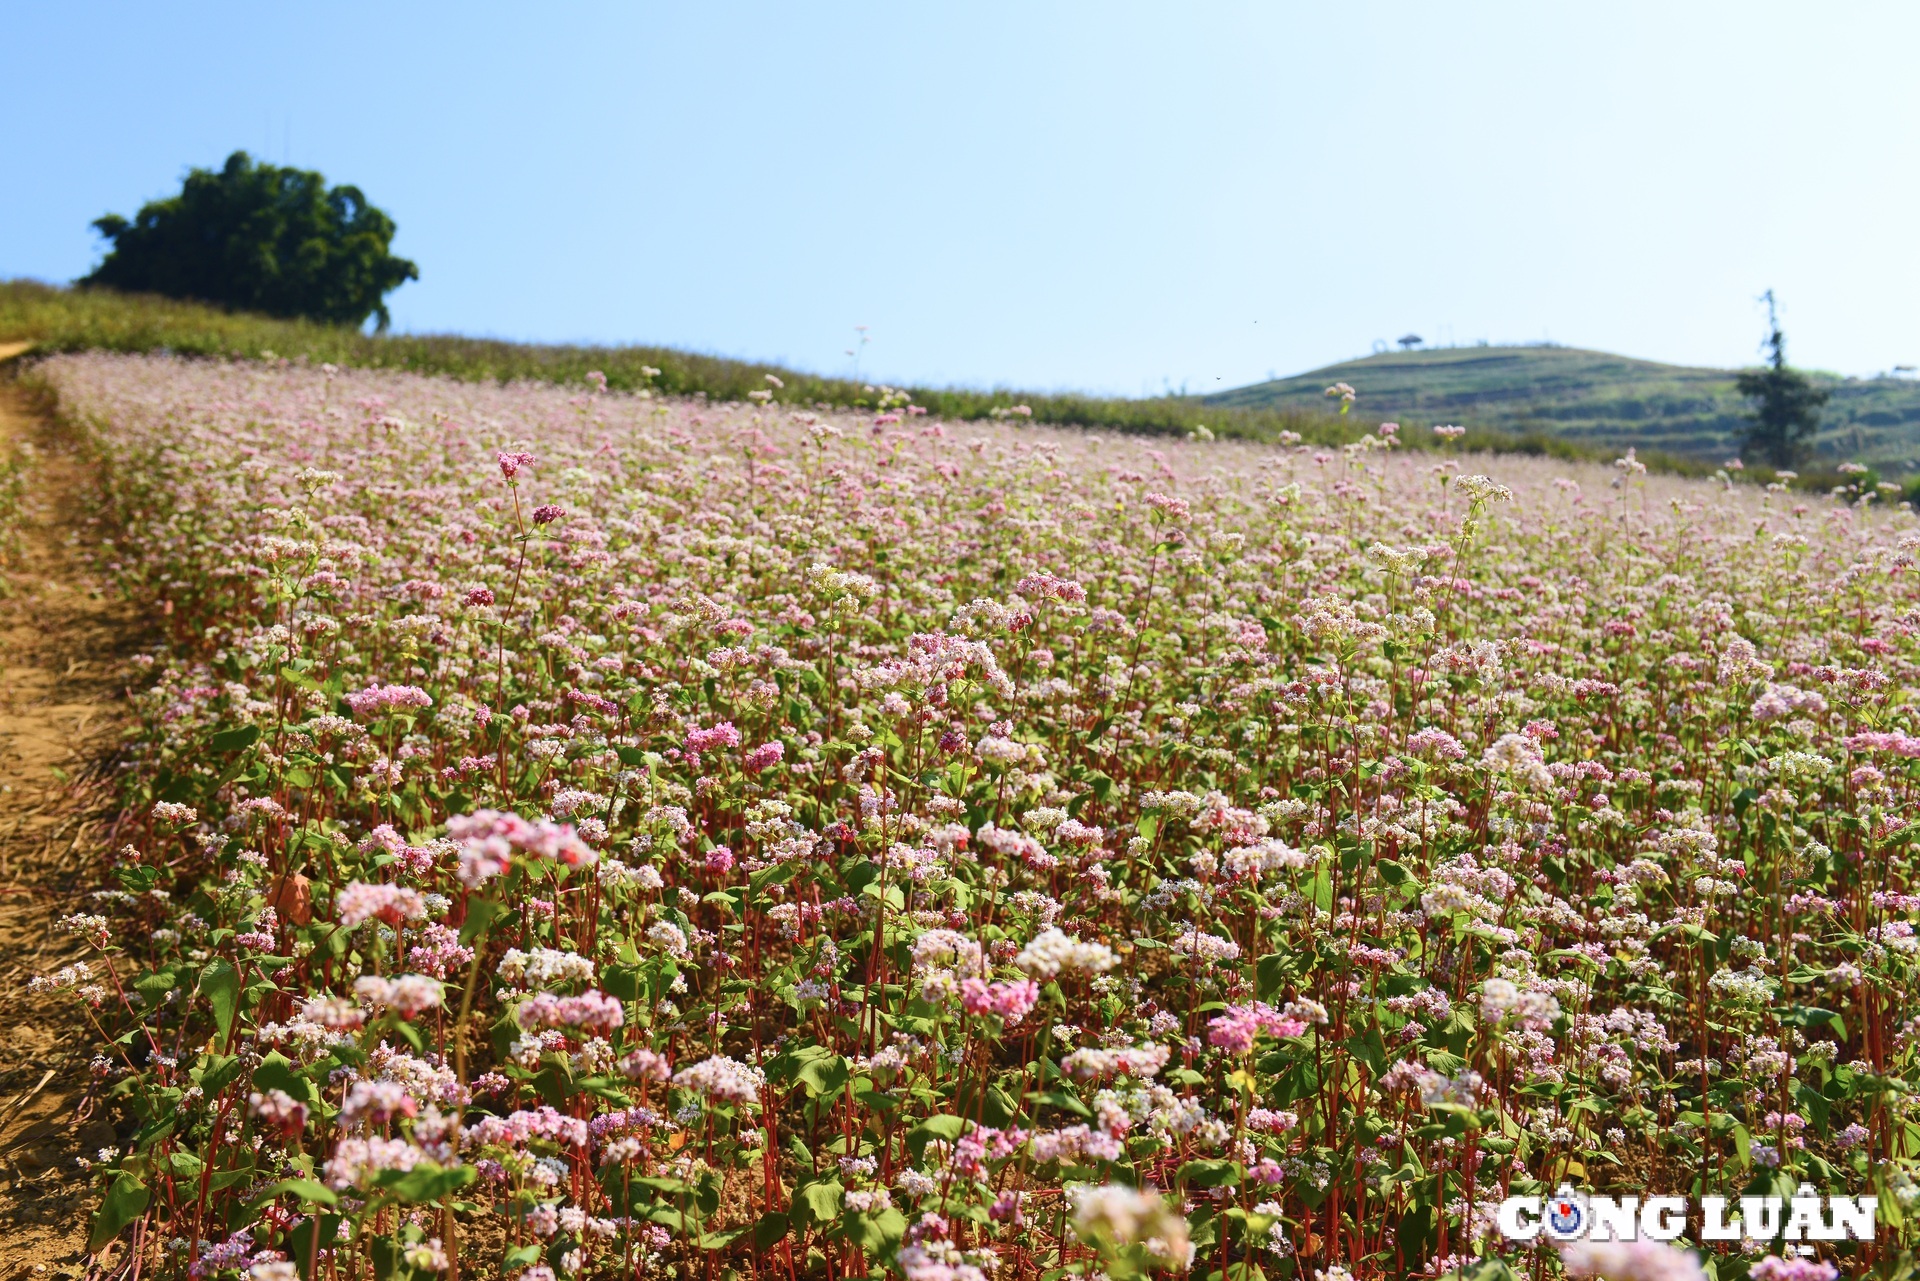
62	319
71	319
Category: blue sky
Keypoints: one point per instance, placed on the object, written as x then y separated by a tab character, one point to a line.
1104	196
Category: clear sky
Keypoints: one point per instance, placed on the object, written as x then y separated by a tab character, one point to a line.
1103	196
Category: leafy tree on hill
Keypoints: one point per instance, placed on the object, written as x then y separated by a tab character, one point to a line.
1786	410
258	237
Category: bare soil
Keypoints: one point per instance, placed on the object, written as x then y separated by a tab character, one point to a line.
63	646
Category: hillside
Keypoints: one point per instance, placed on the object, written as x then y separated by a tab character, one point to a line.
63	319
1594	398
55	319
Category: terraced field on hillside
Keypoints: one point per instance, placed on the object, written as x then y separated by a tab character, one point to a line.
1596	397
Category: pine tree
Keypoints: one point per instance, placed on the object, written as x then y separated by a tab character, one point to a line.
1786	409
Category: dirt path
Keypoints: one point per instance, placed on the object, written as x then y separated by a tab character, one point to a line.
62	651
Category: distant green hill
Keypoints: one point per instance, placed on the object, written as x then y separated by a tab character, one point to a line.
1595	398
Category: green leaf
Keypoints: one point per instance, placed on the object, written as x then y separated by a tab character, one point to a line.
389	1260
1810	1017
232	1178
997	1109
706	1192
310	1191
1211	1174
126	1201
232	740
411	1034
934	1127
1890	1211
1064	1101
875	1232
1271	971
426	1181
819	1201
220	984
825	1075
298	679
138	879
303	1246
1487	1270
1320	890
604	1087
276	1072
1370	1049
778	874
554	1083
770	1230
218	1071
481	912
661	1183
1416	1230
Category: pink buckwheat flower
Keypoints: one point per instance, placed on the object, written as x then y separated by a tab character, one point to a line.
1235	1030
376	699
706	740
1632	1261
593	1012
761	757
1010	1002
393	904
488	839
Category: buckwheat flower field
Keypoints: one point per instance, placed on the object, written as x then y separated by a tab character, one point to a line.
592	835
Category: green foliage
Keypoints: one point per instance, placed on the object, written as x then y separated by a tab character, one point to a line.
220	984
1786	414
126	1200
819	1201
1786	410
1592	401
258	237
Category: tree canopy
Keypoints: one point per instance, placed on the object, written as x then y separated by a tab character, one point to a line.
1786	404
259	237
